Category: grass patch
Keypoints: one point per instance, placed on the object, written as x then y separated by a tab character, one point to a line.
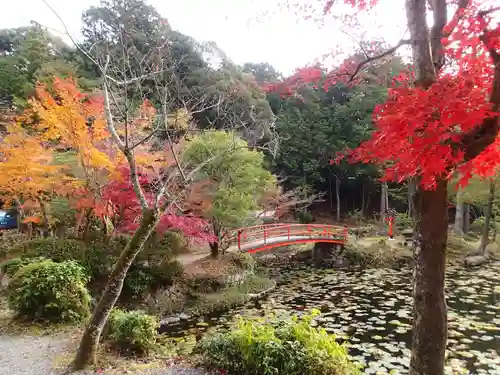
378	253
225	264
111	362
226	298
9	325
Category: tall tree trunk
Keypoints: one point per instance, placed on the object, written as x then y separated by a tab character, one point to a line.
337	196
87	350
386	196
429	309
487	219
362	198
383	201
458	227
412	188
46	224
429	303
467	218
20	215
330	191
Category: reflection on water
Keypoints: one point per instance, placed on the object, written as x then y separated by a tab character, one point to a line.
372	310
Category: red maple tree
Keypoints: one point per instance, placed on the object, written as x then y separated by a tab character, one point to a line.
119	202
440	119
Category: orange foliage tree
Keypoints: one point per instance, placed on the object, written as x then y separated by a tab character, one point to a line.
71	120
27	172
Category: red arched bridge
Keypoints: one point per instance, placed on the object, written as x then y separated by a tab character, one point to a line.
262	237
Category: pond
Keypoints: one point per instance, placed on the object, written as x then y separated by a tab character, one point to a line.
372	310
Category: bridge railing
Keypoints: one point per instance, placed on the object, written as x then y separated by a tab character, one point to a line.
267	233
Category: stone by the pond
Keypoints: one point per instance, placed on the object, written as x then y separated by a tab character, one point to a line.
170	320
184	316
475	260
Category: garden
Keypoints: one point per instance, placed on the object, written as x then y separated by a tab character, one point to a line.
134	158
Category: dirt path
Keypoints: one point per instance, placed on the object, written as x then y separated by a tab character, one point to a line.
35	355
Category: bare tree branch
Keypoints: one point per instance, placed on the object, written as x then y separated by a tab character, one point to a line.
388	52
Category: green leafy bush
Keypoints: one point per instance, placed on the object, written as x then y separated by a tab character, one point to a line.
58	250
403	221
244	261
133	331
11	266
98	254
262	347
50	291
101	254
356	216
143	278
304	217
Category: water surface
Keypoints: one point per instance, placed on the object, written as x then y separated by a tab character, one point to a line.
371	309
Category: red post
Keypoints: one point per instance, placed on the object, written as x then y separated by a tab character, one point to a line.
391	229
239	240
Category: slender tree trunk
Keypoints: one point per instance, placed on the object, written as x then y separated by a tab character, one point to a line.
487	219
362	198
46	224
87	350
429	309
337	196
467	218
383	207
412	188
214	246
386	196
330	193
458	227
20	215
88	215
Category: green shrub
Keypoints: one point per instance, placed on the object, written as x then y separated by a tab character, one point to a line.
162	247
403	221
143	278
61	211
11	266
357	216
58	250
304	217
292	347
101	254
97	254
50	291
244	261
133	331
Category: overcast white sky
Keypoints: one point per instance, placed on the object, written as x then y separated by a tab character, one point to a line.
237	26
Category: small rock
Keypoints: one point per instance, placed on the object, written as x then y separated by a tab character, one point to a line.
475	260
184	316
